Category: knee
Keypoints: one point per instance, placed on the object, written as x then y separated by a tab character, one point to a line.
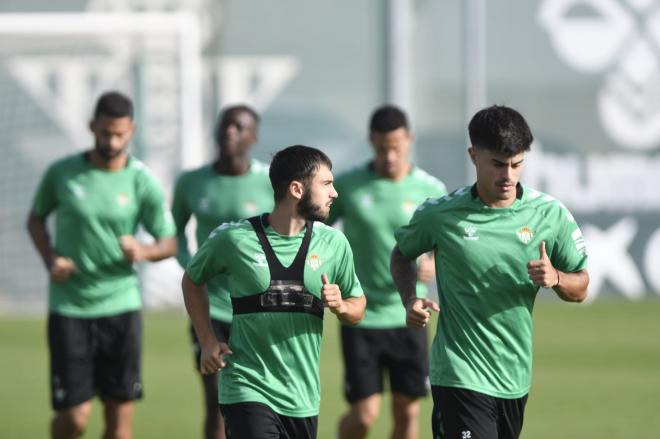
405	410
75	420
366	415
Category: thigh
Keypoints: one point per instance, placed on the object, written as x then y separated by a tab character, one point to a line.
510	417
251	420
71	361
119	356
463	414
363	374
407	361
300	428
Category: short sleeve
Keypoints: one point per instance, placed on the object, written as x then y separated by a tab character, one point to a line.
45	199
570	252
345	276
155	213
416	237
209	260
181	214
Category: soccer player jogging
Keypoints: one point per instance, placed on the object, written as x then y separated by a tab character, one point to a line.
283	268
231	188
376	198
496	243
99	198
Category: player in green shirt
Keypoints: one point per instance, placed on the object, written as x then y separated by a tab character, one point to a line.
376	198
99	197
231	188
496	243
283	268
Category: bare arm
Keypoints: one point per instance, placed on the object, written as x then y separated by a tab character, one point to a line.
196	299
404	274
59	267
349	311
135	251
571	287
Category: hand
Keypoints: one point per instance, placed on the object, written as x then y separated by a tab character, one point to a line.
418	314
541	271
425	268
61	268
132	249
331	296
213	357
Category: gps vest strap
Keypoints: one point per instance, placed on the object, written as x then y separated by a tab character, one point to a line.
286	292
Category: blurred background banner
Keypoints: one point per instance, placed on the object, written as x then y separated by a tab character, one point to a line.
586	75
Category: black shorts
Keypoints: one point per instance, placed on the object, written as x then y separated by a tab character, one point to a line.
221	331
253	420
96	355
465	414
368	352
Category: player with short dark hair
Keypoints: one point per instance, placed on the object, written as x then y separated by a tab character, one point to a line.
496	243
232	187
99	198
283	268
376	198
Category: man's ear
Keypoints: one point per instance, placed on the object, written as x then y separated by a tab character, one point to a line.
472	152
296	189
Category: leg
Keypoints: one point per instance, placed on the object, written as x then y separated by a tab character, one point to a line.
118	419
299	428
361	416
407	362
71	423
214	427
251	420
363	381
118	364
405	411
71	374
463	414
510	417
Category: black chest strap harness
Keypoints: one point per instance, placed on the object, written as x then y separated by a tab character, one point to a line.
286	292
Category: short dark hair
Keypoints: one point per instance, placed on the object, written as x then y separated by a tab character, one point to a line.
297	162
500	129
240	107
113	104
387	118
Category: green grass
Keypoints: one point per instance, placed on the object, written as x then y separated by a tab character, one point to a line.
596	375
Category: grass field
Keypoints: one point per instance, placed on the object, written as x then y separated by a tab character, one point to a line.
596	375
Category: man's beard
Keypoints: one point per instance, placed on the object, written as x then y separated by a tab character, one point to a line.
108	153
310	211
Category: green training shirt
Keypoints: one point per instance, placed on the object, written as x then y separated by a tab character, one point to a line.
371	208
94	207
215	199
483	340
276	356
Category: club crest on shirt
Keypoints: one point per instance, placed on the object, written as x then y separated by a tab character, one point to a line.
314	262
525	234
470	233
122	199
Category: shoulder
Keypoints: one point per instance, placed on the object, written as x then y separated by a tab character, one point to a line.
234	231
547	205
432	182
329	234
259	168
455	200
186	177
67	163
353	175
